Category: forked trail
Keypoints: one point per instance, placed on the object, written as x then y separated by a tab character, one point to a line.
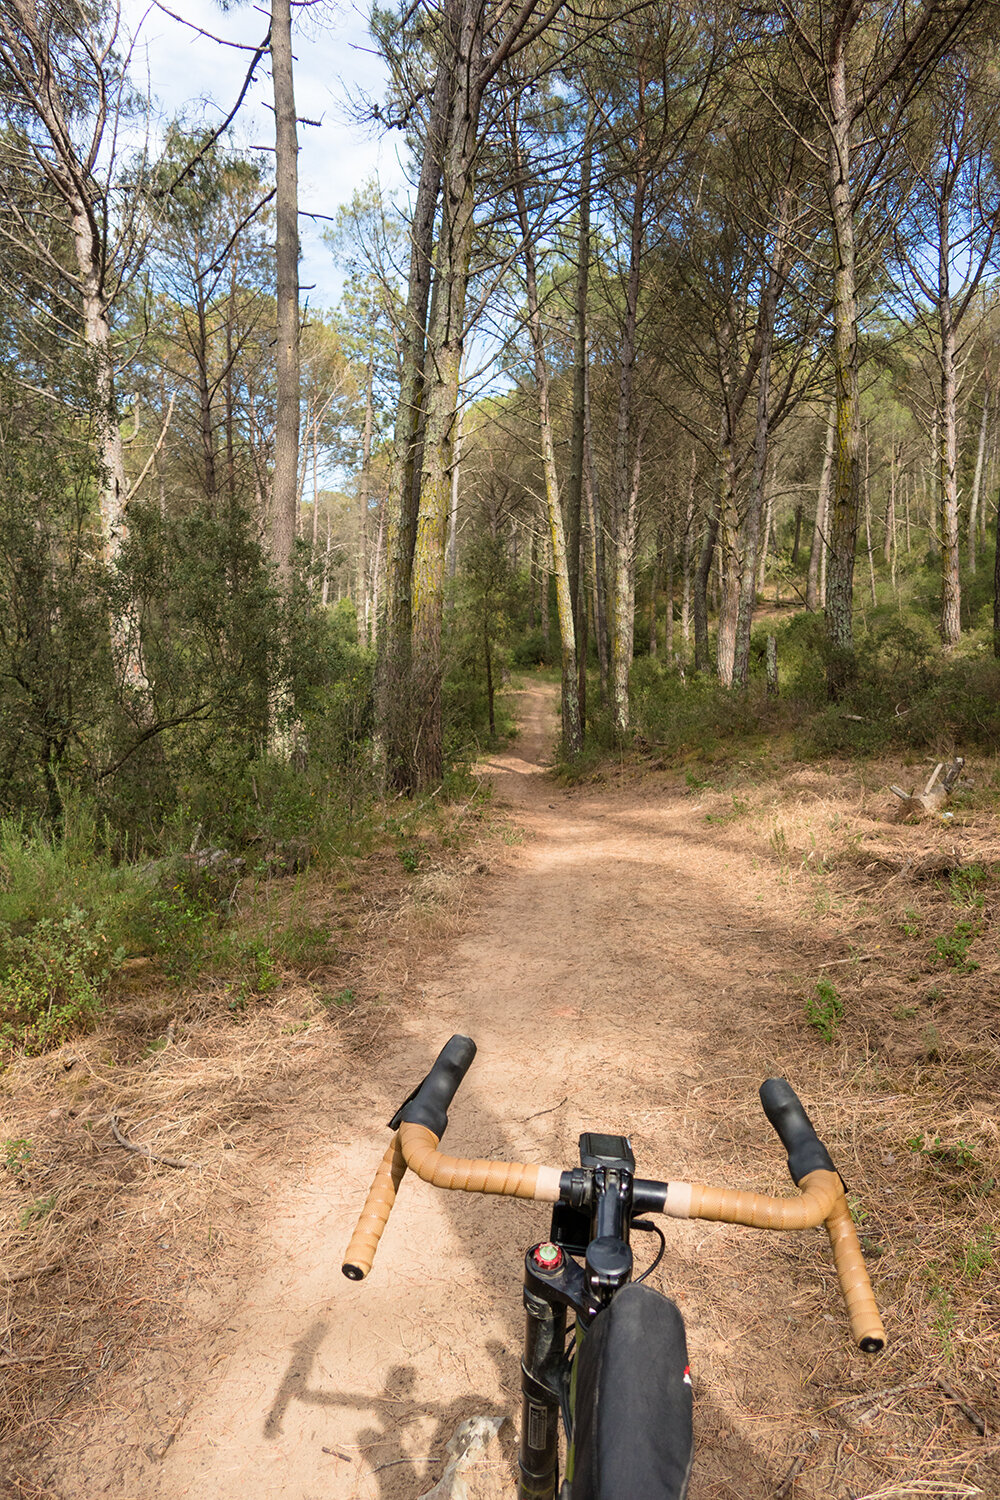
609	985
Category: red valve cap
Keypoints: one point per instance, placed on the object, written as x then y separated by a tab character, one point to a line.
548	1257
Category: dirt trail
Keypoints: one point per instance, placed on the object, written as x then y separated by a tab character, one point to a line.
606	988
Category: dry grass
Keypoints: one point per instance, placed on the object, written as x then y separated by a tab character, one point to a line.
101	1240
902	921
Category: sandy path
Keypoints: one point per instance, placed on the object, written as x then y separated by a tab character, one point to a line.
592	985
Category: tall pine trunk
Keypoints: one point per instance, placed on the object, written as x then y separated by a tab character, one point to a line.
628	451
445	338
562	563
286	423
951	622
816	576
393	691
977	482
842	528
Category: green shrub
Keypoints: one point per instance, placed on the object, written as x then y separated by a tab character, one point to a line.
953	947
530	650
825	1009
51	979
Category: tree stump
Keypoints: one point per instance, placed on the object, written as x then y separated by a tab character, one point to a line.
935	795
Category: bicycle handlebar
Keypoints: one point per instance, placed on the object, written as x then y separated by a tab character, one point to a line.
428	1104
783	1107
822	1198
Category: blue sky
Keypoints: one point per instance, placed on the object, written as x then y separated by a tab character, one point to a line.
187	73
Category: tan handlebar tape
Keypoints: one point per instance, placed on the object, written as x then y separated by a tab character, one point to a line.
694	1200
822	1201
375	1214
512	1178
866	1325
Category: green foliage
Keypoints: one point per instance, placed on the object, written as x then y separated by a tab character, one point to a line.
531	650
740	807
957	1156
17	1154
66	924
953	947
967	886
906	692
944	1316
979	1254
680	715
35	1212
478	632
825	1009
342	1000
50	980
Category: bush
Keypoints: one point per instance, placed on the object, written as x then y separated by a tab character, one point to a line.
68	917
531	651
50	980
697	713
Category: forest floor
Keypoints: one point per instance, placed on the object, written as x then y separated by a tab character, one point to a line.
642	955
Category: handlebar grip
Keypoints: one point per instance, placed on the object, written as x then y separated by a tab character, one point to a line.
852	1273
783	1107
375	1214
428	1104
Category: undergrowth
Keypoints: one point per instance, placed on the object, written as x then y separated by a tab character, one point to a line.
906	694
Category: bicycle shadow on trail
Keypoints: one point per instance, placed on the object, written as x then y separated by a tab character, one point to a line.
727	1466
391	1470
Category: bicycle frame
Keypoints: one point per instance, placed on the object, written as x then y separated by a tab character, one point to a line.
551	1290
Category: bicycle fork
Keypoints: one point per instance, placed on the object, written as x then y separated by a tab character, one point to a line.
542	1371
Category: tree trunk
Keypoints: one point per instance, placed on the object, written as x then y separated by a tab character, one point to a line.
889	527
286	427
125	638
456	469
378	569
364	492
814	590
571	727
996	586
977	482
393	690
544	590
668	610
701	580
842	530
765	541
575	502
686	558
868	516
729	571
574	490
599	573
654	589
750	535
628	447
532	571
446	335
951	589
